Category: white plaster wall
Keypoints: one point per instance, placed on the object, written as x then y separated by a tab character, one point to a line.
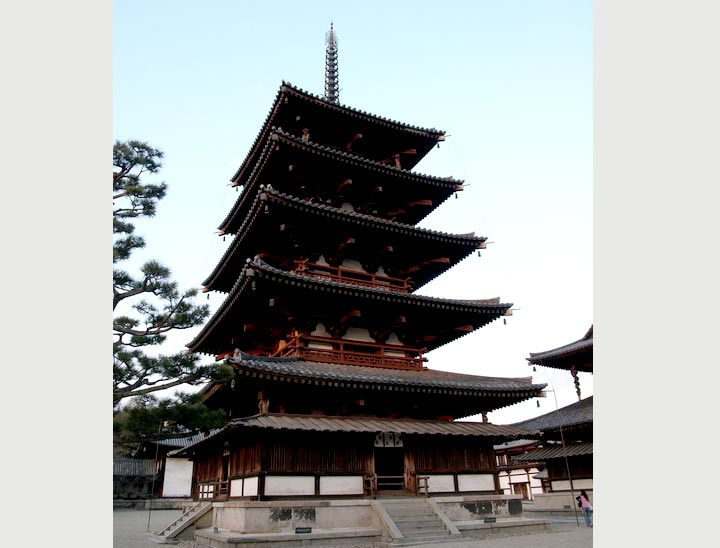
236	486
520	476
476	482
350	264
564	485
441	484
320	331
289	485
178	478
341	485
250	487
395	353
504	483
358	334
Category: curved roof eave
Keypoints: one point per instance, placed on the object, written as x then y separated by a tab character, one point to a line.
575	347
257	266
359	425
296	367
288	88
275	135
263	193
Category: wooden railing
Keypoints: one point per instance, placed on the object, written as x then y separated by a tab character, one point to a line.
395	483
344	275
351	352
213	489
369	485
422	485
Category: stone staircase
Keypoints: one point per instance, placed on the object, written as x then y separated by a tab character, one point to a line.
417	521
171	533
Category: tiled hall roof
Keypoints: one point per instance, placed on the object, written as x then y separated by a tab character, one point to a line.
359	425
392	377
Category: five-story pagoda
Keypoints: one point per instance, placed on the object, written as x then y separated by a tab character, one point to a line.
324	328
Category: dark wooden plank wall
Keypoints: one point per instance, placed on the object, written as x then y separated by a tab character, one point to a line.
208	468
293	456
581	467
280	457
245	460
435	460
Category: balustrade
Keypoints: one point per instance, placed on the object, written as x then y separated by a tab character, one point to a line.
344	275
352	352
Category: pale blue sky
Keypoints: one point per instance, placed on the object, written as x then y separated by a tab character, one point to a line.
510	82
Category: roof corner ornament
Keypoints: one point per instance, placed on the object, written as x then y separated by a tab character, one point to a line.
332	85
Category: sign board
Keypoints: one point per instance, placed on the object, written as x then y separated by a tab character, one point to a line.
388	439
490	520
303	529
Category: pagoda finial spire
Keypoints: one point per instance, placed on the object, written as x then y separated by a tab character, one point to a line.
332	86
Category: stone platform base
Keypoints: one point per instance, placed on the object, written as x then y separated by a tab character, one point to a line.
331	537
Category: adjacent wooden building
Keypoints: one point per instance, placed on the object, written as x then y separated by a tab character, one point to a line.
566	434
324	327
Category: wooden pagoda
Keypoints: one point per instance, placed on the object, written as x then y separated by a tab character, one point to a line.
325	330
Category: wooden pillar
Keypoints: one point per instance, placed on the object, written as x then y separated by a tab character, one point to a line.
530	491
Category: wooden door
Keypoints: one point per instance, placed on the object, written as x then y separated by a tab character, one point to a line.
521	489
390	468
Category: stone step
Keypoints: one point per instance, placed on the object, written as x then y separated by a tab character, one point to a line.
166	536
413	510
412	515
424	540
421	531
407	509
414	518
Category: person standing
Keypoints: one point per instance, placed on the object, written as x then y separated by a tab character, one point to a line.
584	503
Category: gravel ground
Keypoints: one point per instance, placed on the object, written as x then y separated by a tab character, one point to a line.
130	527
130	530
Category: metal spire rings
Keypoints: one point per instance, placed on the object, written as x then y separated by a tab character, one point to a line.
332	86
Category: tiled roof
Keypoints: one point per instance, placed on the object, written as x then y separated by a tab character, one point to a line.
466	239
287	88
349	157
577	353
339	106
515	443
571	415
134	467
446	184
268	194
320	423
571	348
362	374
554	452
186	440
482	311
479	305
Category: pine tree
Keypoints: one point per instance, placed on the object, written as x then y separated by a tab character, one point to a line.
157	305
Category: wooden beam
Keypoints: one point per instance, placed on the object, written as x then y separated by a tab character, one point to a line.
427	203
350	144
